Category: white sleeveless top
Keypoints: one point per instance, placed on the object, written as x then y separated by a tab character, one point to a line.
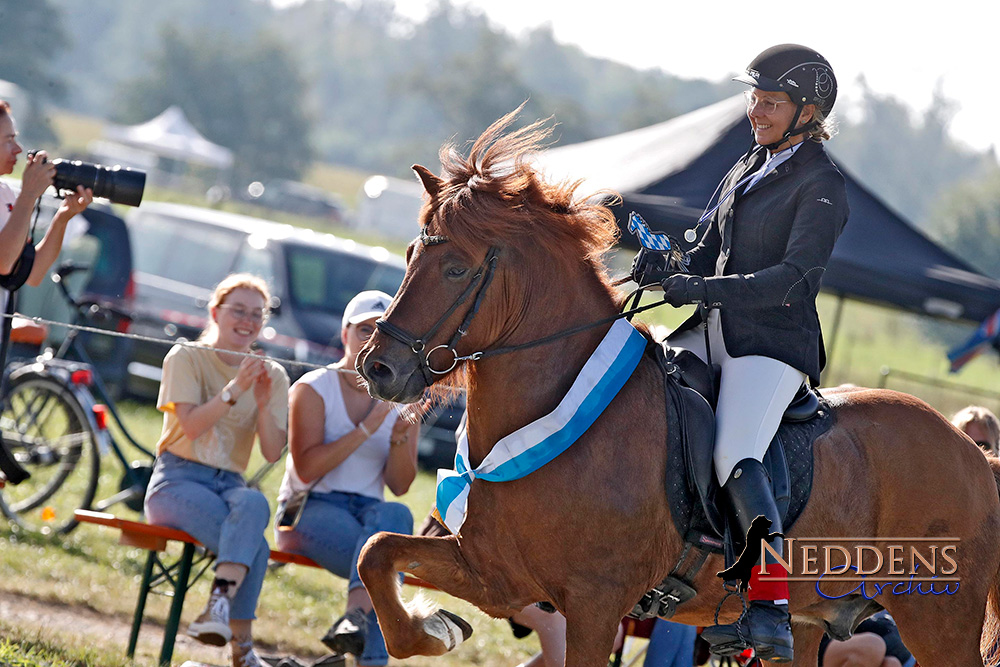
362	471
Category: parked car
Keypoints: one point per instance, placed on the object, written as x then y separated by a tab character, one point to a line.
299	198
182	252
97	239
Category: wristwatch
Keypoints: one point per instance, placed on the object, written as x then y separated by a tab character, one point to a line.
227	396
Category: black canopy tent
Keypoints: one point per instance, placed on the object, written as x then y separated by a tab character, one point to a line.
668	172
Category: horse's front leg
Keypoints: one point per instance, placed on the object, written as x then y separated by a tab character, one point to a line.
591	626
436	560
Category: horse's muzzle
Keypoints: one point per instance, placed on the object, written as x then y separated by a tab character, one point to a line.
391	377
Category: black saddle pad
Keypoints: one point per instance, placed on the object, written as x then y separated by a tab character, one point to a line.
795	442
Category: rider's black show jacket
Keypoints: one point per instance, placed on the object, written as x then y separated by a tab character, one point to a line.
764	253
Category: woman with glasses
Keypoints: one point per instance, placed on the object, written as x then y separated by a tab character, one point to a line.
345	448
757	267
216	398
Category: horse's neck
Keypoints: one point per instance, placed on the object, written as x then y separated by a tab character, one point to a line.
512	390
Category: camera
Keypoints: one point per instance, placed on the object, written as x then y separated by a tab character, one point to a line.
118	184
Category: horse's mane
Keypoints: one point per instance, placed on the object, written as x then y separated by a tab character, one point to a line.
494	196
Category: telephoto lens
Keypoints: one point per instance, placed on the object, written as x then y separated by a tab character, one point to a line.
118	184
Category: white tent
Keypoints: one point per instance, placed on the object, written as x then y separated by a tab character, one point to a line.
171	135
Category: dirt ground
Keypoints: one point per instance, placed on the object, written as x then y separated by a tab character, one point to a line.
81	627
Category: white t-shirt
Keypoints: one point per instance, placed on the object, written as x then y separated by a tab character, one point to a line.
362	471
7	199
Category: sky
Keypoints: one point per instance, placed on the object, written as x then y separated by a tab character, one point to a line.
900	50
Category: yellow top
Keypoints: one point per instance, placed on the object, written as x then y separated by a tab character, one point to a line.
194	375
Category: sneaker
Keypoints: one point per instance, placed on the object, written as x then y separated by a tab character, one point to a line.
765	627
245	656
212	627
347	635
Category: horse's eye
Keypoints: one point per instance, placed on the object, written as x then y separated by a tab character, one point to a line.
455	273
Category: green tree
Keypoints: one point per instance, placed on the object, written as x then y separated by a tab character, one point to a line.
112	41
908	162
248	96
32	36
967	220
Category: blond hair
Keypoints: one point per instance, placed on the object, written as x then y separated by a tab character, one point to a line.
826	126
982	417
227	286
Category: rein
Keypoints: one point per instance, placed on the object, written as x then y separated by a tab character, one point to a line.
483	278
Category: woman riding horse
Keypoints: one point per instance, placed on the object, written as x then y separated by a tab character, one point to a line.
507	294
758	267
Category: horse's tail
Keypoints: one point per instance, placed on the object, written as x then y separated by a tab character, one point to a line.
989	644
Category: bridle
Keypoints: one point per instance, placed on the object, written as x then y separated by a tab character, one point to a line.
479	283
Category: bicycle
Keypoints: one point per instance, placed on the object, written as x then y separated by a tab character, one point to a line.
53	426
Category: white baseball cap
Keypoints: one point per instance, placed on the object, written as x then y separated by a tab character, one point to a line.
366	305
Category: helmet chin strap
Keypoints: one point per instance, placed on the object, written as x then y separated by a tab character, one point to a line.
792	131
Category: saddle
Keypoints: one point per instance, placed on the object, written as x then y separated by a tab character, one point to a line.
691	485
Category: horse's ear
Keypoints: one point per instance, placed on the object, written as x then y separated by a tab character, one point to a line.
431	182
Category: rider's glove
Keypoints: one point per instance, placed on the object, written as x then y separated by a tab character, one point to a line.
683	288
651	266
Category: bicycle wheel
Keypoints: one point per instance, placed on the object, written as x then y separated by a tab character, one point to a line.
48	433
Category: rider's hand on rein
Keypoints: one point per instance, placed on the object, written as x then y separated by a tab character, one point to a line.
681	289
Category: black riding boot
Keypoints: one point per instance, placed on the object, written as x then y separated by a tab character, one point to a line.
765	625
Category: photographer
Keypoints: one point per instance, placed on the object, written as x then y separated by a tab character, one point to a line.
19	261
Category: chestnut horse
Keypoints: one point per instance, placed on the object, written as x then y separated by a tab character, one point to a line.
505	259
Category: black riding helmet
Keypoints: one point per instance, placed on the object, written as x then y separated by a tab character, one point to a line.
803	74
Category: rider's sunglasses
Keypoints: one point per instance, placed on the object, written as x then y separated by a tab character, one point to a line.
767	105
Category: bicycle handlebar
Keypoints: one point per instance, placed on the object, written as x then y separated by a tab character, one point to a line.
85	307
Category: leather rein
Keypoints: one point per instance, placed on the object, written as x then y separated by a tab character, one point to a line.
478	285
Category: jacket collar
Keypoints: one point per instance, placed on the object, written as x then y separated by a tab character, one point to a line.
808	151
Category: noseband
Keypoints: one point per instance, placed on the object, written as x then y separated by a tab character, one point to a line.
480	281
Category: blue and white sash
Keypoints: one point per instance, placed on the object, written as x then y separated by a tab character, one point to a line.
532	446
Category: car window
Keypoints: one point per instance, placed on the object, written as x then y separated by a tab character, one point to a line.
258	262
183	250
112	266
326	279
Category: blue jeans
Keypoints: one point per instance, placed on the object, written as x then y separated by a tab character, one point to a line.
216	508
670	645
332	530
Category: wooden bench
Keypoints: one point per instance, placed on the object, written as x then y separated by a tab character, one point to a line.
177	574
158	572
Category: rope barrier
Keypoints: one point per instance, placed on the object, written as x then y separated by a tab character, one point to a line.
168	342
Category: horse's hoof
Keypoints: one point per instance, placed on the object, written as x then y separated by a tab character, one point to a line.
449	629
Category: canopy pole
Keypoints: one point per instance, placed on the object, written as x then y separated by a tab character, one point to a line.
835	329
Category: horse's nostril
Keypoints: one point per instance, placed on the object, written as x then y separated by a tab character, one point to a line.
377	371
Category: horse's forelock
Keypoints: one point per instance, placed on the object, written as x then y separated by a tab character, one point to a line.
494	196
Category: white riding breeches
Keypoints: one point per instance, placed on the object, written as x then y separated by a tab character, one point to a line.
754	392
